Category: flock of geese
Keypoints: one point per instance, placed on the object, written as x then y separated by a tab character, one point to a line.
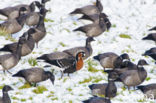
119	67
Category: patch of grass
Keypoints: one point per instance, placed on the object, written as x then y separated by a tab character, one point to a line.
97	79
148	78
80	94
125	36
48	20
86	80
1	87
18	93
65	79
93	79
69	89
123	88
26	85
128	51
74	23
142	100
152	71
62	44
114	25
6	34
15	98
90	66
23	100
30	98
66	30
127	28
32	61
51	95
40	89
54	99
70	101
55	50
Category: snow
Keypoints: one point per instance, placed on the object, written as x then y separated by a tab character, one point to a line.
130	17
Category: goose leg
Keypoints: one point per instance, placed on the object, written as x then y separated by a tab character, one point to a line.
9	72
35	84
4	71
104	69
37	44
68	75
128	87
62	74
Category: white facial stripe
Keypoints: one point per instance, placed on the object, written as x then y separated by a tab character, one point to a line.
125	60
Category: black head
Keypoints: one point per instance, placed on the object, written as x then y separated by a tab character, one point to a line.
102	22
80	55
31	31
89	39
43	11
25	35
142	62
96	57
99	5
141	87
117	62
108	23
7	88
22	11
101	17
44	1
148	37
112	76
125	63
125	56
32	6
38	4
154	28
104	15
50	76
150	51
22	40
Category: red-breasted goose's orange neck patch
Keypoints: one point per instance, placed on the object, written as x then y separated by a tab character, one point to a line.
79	64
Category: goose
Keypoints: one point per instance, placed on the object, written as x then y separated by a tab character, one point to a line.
69	64
53	56
27	47
6	98
89	9
97	100
8	61
133	77
151	36
35	75
106	89
128	66
33	17
110	59
149	90
94	29
14	25
12	12
87	49
40	28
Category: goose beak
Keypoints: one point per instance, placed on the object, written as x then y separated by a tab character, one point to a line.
11	88
52	79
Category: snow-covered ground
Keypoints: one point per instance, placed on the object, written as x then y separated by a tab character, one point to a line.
128	17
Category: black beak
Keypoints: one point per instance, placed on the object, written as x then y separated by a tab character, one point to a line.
11	88
52	79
